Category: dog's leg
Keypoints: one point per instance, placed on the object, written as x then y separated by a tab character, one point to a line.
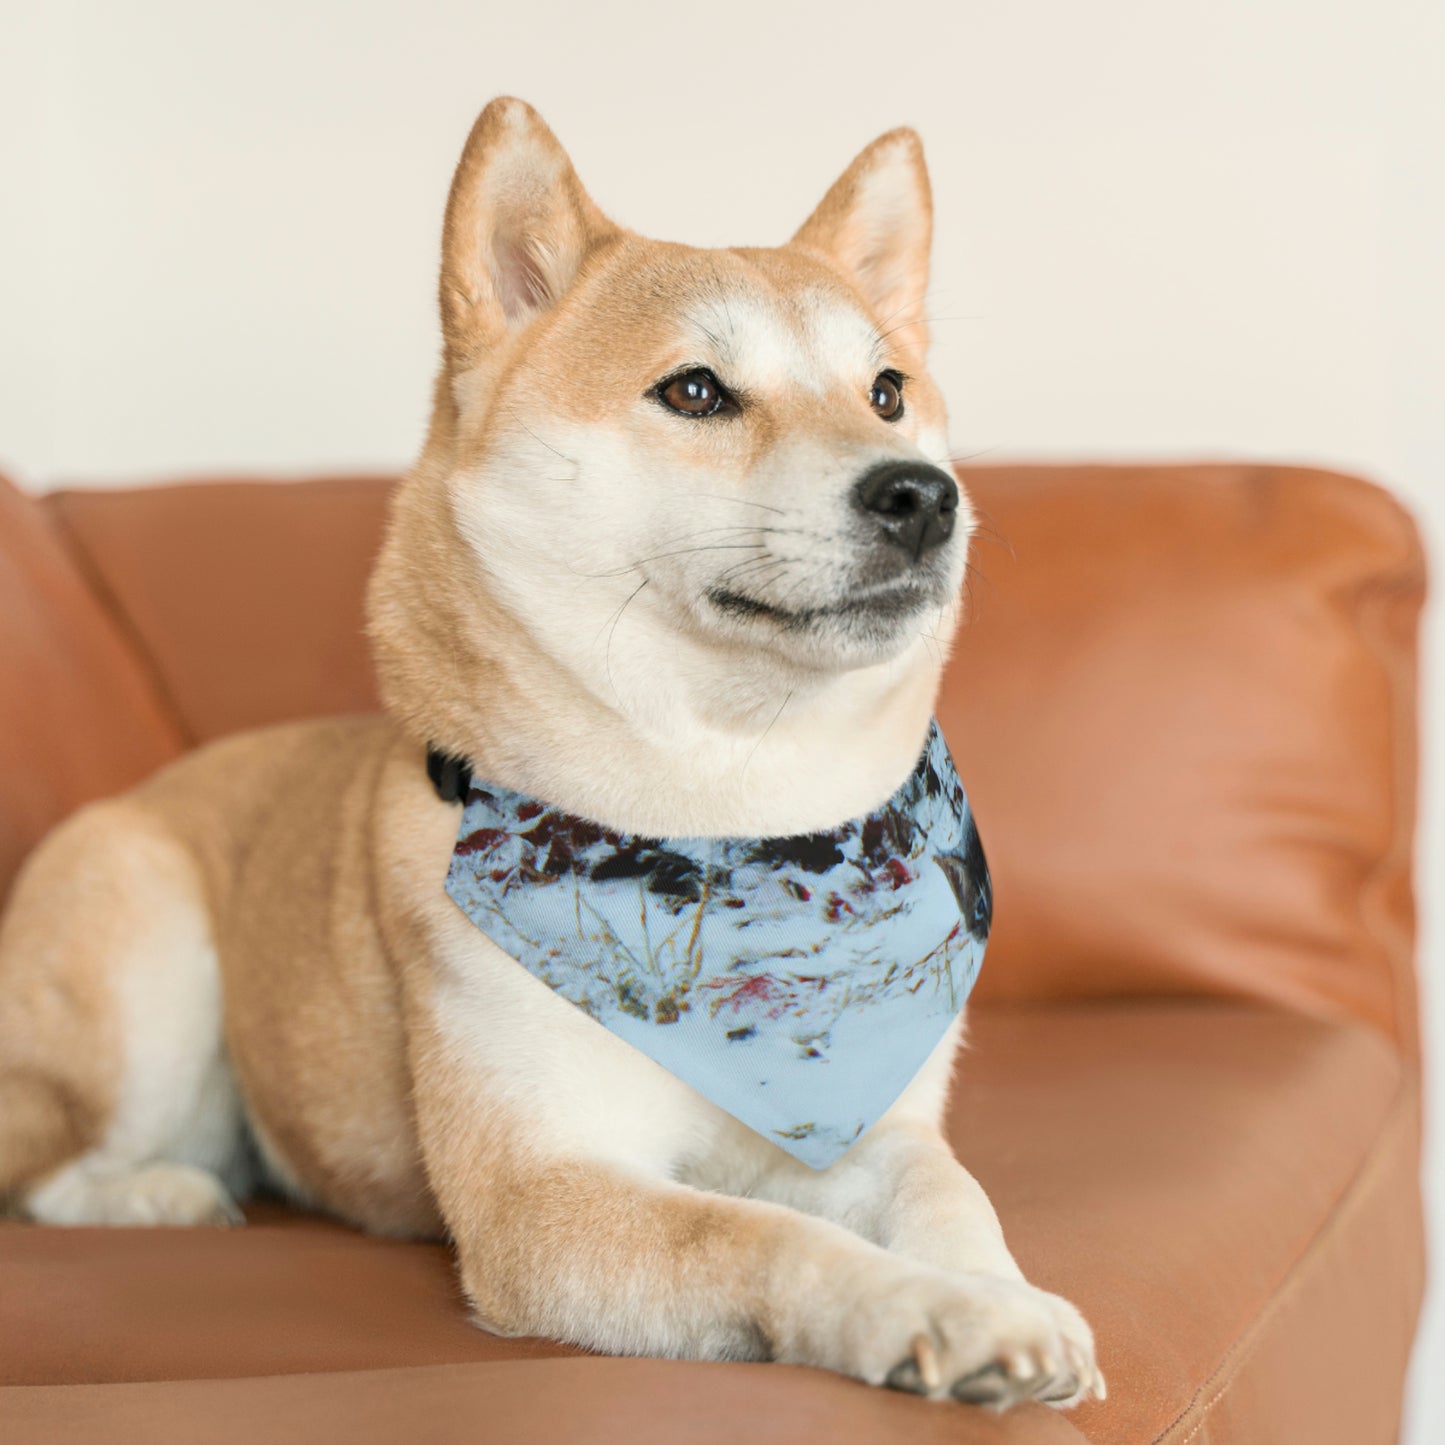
116	1105
586	1252
615	1257
901	1188
900	1185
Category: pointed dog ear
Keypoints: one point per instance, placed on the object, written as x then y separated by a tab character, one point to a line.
518	228
877	224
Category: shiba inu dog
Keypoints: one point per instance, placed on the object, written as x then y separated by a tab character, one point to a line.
680	553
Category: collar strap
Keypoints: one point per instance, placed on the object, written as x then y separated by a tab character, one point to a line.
450	775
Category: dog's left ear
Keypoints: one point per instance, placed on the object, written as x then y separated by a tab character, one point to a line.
877	223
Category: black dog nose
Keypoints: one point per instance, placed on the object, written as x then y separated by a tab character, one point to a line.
914	504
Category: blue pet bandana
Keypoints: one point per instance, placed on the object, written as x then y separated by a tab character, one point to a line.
799	983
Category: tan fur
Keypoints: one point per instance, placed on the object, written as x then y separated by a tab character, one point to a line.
255	945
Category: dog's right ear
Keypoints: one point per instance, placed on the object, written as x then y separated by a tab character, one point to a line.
877	223
518	228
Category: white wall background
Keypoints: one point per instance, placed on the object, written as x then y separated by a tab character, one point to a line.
1163	229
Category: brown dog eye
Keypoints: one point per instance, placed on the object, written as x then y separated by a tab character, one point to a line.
886	398
694	393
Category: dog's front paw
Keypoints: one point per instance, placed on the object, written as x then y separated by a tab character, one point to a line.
979	1338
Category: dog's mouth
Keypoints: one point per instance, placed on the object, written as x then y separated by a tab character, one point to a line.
885	604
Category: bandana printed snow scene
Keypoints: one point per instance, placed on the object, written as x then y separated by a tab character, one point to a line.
799	983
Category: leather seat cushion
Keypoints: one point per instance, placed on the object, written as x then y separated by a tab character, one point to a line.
1225	1190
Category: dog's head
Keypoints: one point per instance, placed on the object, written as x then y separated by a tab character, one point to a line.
648	448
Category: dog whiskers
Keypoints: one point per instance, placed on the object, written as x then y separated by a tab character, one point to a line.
615	620
932	319
748	529
930	635
741	502
753	750
571	461
739	568
808	575
679	552
985	528
761	576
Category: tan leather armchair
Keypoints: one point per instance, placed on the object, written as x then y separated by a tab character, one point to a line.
1184	710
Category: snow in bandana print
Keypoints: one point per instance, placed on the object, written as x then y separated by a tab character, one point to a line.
799	983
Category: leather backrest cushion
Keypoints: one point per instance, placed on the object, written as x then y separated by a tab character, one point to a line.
1182	705
79	715
1184	711
247	595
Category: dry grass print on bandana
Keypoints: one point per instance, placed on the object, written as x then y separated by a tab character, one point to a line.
799	983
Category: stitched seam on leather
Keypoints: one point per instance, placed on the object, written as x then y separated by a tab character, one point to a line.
124	623
1375	604
1403	580
1240	1353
